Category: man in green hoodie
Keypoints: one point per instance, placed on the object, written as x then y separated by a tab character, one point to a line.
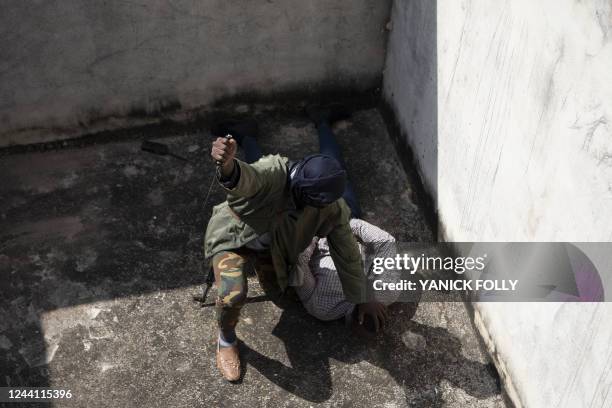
274	208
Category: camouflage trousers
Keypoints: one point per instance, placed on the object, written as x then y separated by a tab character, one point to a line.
231	279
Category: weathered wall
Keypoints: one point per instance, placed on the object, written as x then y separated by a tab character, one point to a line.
410	81
523	153
69	66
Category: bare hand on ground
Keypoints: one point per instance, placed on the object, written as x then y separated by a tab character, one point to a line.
377	311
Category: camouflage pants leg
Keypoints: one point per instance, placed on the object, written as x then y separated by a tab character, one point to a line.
230	275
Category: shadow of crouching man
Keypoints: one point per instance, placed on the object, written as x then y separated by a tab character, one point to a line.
416	356
309	376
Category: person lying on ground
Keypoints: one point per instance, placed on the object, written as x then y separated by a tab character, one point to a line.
316	282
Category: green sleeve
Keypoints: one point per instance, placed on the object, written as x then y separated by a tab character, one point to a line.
344	251
249	181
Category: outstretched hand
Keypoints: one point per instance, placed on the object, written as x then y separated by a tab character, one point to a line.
377	312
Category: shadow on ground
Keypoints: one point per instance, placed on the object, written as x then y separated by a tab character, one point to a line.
417	356
100	254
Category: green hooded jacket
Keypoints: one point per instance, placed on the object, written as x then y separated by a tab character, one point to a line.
261	202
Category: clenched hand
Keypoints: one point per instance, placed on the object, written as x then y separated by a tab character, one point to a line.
222	152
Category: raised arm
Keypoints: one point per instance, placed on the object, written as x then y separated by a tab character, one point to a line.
368	233
236	177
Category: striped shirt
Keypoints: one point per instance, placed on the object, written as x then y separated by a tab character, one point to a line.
316	281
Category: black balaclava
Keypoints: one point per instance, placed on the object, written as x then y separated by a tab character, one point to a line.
317	180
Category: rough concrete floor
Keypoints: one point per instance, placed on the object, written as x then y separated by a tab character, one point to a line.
100	252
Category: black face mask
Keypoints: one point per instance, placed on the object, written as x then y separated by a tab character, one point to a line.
316	181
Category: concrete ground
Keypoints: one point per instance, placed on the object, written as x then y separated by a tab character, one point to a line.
100	254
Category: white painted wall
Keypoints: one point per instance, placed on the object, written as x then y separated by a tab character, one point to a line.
74	66
523	153
525	101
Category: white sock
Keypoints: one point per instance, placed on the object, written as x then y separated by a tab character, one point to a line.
224	343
